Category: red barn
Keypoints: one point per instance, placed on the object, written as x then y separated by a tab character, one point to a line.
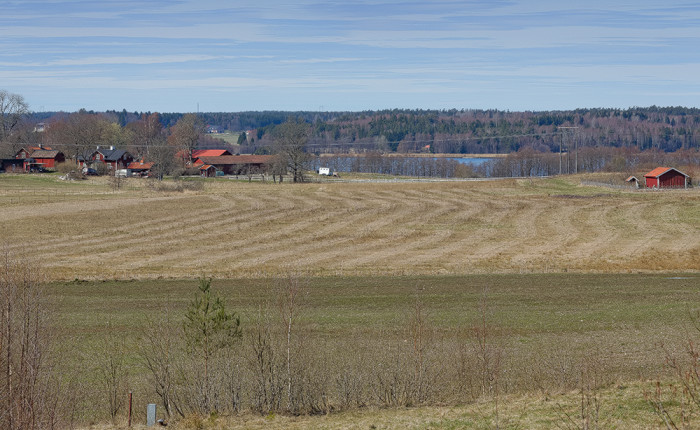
209	153
666	177
43	159
238	164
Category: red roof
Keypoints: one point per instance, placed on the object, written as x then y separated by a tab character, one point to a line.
660	171
236	159
206	167
209	153
140	165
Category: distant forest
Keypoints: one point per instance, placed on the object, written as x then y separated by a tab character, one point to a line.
666	129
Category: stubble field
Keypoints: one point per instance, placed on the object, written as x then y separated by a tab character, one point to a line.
236	229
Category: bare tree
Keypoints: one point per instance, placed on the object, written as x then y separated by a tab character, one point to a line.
78	135
26	399
163	158
291	292
291	138
265	365
148	132
186	134
158	353
109	359
13	109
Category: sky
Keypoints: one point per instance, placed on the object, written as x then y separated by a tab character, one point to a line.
349	55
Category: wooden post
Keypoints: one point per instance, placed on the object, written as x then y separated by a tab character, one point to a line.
130	397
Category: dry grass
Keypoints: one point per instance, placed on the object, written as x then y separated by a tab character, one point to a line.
622	407
236	229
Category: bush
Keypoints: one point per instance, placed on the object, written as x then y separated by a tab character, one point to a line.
178	186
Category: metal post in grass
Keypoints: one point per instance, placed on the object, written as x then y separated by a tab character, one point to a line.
151	415
130	397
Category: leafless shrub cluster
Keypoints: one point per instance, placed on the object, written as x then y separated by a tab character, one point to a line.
586	415
29	395
177	185
677	403
203	363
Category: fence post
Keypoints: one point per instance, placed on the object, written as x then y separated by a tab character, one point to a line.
130	396
151	415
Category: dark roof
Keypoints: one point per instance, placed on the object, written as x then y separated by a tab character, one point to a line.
112	154
109	154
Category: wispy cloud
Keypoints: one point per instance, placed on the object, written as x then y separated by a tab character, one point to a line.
351	55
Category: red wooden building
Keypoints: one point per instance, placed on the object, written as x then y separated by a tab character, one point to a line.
207	170
114	158
27	151
43	159
666	177
238	164
140	168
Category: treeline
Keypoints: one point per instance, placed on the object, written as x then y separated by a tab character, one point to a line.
528	162
462	131
480	131
491	131
523	163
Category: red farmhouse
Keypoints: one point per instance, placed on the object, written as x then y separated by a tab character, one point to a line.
666	177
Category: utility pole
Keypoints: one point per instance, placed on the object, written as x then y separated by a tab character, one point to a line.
561	139
566	130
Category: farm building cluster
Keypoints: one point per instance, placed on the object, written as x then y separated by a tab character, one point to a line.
220	162
33	159
208	162
213	162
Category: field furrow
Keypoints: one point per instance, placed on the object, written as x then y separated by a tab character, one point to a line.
240	229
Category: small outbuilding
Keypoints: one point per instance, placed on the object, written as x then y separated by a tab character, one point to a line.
633	180
207	171
139	168
666	177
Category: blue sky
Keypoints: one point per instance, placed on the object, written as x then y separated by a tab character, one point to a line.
171	56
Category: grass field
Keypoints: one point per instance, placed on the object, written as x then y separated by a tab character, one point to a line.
231	138
546	324
558	271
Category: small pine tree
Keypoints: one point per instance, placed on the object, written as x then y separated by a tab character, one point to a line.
209	328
